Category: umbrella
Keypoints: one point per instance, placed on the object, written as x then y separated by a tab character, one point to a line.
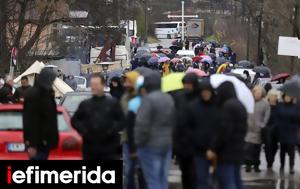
175	60
198	72
280	76
245	64
163	59
243	92
161	55
263	71
206	58
141	54
144	71
221	60
292	87
153	60
174	48
186	59
172	82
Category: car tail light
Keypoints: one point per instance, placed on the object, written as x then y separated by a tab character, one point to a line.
71	143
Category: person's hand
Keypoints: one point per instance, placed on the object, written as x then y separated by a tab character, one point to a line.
31	152
212	156
133	155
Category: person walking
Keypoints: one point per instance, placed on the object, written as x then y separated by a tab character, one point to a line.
40	127
269	133
256	122
153	132
287	125
20	92
116	88
182	140
6	92
203	123
227	148
98	120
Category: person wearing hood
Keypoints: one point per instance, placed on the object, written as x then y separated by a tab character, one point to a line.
257	121
116	88
70	80
40	127
99	120
203	123
287	126
154	124
227	148
182	143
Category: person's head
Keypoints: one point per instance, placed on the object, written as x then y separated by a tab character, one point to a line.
97	84
288	99
130	80
268	87
46	79
152	82
206	91
258	92
24	81
70	77
273	96
190	82
225	92
115	82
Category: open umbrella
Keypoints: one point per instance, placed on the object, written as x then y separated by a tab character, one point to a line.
163	59
292	87
221	60
172	82
198	72
153	60
243	92
245	64
280	76
175	60
186	59
144	71
207	59
263	71
174	48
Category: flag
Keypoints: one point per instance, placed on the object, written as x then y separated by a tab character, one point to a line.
14	56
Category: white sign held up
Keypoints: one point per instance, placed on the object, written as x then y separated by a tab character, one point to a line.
289	46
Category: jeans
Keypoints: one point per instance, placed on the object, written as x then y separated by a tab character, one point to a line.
40	156
129	168
203	176
155	164
229	176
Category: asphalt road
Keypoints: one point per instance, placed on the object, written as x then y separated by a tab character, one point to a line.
267	179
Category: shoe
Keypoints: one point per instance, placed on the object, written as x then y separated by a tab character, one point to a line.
248	169
256	169
292	171
281	169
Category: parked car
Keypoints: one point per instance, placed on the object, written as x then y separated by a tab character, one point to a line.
11	135
81	82
70	101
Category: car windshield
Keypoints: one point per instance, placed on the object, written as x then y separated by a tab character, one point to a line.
12	120
80	81
72	102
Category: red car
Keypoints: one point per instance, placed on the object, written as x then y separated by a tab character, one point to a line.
11	135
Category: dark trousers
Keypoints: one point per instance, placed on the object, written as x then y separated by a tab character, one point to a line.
229	176
253	154
188	171
271	144
40	156
203	176
290	150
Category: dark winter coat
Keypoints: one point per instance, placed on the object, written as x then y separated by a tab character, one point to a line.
40	126
6	95
20	93
287	123
98	120
229	142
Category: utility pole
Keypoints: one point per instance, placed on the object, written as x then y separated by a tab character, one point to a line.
295	23
248	38
260	16
146	21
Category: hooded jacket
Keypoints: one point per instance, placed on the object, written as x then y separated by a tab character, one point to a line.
40	126
118	91
229	141
155	118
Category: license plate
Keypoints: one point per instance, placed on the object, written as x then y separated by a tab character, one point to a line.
16	147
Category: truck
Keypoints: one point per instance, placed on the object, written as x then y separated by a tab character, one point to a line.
195	28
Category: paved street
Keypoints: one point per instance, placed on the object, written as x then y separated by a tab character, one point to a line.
267	179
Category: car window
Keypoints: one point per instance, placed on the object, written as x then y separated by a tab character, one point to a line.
72	102
12	120
80	81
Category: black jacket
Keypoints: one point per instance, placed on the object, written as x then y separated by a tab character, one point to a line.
229	141
99	120
6	94
20	93
40	115
203	122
